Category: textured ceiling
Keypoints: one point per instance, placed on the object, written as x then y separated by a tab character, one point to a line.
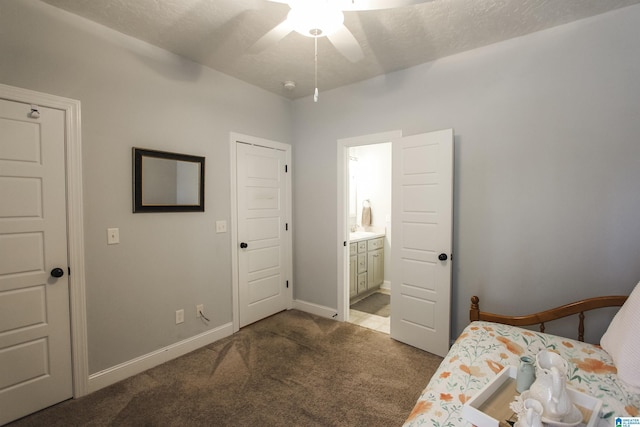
219	33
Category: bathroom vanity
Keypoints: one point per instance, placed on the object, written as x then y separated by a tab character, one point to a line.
366	263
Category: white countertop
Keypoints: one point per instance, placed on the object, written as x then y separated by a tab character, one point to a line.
357	236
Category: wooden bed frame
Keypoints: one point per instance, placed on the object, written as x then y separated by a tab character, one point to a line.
578	307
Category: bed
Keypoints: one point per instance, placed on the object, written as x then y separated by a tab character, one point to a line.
491	342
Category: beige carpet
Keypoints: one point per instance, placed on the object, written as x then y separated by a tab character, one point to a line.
292	369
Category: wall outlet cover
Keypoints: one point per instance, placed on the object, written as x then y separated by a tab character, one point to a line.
113	236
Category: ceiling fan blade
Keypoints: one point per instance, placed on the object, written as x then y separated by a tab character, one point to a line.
346	44
279	32
355	5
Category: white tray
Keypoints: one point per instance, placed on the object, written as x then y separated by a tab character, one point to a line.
491	404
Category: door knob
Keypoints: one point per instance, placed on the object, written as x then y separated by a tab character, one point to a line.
442	257
57	272
243	245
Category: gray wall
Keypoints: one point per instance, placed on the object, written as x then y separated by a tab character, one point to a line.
547	164
134	94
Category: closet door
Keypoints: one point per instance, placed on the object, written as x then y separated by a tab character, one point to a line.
263	248
35	343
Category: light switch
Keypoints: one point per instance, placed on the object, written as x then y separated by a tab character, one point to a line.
221	226
113	236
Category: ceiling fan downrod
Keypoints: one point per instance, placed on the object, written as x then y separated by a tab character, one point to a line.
315	93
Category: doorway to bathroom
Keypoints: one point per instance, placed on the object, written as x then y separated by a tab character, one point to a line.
369	222
365	221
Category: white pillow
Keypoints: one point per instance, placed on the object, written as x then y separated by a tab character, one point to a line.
622	340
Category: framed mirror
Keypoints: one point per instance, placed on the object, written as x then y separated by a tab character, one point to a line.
167	182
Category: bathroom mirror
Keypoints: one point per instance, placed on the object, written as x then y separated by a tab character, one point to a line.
353	189
167	182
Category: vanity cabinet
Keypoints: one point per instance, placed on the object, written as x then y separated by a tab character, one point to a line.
366	265
375	268
353	269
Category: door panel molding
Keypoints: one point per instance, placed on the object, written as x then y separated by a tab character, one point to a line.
75	224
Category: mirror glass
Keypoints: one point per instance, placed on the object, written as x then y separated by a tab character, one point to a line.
167	182
353	190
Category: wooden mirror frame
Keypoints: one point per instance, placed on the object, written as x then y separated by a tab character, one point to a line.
139	154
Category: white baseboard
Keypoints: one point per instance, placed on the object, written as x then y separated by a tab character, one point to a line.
140	364
386	285
318	310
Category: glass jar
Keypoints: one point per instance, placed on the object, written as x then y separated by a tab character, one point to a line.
526	374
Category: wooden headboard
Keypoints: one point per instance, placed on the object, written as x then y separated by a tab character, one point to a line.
578	307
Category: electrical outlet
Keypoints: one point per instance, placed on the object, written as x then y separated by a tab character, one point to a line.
179	316
199	310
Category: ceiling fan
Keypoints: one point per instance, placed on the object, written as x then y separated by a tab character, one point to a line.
325	18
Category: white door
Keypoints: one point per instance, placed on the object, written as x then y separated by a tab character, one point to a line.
262	223
35	347
422	175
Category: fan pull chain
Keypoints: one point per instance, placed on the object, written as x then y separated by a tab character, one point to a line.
315	94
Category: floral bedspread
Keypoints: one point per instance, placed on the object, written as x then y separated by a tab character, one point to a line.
484	348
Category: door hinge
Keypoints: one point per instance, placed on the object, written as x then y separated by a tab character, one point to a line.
287	284
345	243
286	168
69	270
286	226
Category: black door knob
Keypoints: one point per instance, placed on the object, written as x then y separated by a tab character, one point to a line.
57	272
243	245
442	257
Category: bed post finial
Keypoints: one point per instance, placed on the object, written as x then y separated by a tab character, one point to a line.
474	311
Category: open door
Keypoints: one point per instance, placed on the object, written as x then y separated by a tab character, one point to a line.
422	200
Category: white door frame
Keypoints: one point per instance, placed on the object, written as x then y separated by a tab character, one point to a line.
234	139
343	213
75	225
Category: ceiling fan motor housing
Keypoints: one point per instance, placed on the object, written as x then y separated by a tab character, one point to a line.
317	19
